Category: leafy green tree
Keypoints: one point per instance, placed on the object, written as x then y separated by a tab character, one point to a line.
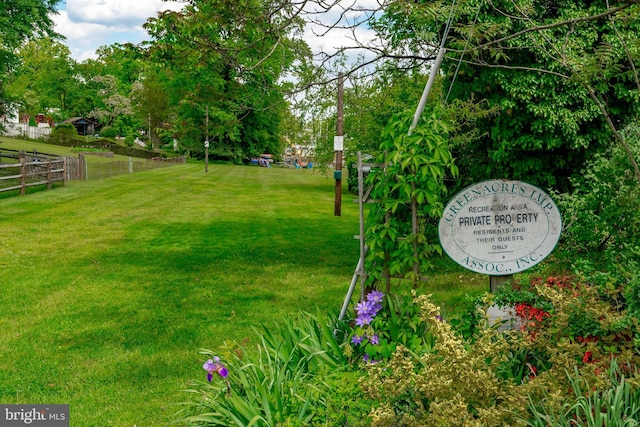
83	97
43	77
564	76
114	104
559	77
21	20
293	129
107	86
125	62
151	104
229	58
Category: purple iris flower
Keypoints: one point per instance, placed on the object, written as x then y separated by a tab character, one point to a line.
214	366
357	339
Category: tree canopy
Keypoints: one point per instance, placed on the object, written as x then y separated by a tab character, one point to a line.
228	59
533	87
21	20
559	76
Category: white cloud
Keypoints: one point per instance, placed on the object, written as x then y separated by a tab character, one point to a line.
117	13
348	20
81	38
90	24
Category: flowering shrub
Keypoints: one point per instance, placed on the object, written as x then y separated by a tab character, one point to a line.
456	383
384	322
492	378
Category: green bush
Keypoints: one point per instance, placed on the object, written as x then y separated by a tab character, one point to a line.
602	212
343	402
108	132
63	133
129	140
602	226
490	379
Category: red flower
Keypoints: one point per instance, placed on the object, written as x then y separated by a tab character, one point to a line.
588	357
584	340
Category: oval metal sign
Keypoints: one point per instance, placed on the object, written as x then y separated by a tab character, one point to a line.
500	227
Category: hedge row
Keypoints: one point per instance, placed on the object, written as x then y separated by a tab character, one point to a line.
105	144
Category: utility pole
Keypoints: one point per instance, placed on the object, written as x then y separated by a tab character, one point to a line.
206	143
338	145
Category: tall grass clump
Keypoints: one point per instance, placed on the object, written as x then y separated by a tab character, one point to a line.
616	404
279	382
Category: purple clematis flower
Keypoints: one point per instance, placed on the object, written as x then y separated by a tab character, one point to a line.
374	339
363	307
214	366
375	308
357	339
375	297
363	319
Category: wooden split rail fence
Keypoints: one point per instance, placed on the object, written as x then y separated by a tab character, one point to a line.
19	170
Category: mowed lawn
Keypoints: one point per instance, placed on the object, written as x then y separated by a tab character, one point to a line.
109	288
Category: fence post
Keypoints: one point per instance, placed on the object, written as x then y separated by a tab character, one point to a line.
49	161
23	172
64	171
82	168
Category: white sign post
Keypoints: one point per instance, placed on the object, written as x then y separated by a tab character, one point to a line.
500	227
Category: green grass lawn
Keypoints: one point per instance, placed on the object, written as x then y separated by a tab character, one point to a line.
110	287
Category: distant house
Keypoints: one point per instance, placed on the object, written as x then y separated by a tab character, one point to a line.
83	126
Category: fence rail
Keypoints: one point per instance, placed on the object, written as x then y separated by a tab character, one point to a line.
109	169
19	169
27	171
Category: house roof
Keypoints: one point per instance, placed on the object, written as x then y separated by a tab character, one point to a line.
79	121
